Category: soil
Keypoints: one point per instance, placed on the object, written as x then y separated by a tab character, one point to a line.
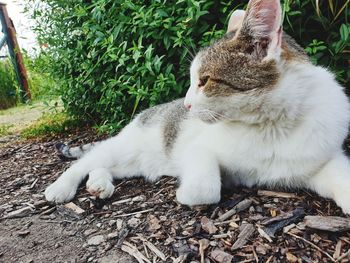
18	118
142	222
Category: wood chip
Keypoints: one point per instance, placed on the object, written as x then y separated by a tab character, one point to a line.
246	231
134	252
338	248
203	245
208	226
221	256
76	209
241	206
278	223
153	223
25	211
277	194
264	235
291	257
328	223
155	250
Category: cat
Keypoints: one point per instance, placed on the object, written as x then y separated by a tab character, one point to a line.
257	113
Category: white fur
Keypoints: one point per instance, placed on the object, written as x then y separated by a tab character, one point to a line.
302	148
289	136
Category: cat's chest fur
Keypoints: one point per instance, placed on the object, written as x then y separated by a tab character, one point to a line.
249	155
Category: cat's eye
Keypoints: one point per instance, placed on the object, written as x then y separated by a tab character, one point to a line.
203	81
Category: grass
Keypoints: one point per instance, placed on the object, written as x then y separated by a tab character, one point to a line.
5	130
51	124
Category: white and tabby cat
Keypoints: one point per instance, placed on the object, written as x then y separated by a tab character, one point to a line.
257	113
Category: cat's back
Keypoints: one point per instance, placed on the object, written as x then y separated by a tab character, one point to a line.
170	112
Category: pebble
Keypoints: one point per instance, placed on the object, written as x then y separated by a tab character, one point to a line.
89	231
96	240
119	224
113	235
112	222
133	222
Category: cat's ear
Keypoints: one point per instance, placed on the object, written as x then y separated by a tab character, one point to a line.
262	23
235	21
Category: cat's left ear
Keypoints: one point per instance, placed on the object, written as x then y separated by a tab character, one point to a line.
262	24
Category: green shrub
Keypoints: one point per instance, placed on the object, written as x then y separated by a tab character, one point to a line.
41	84
8	85
117	57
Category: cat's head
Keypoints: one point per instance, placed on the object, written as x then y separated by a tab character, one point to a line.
232	76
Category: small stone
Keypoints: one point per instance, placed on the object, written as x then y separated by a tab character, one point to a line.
89	231
213	243
119	224
113	235
96	240
221	256
139	198
133	222
112	222
291	257
99	225
138	215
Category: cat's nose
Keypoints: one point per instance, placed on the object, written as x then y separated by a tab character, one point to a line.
188	106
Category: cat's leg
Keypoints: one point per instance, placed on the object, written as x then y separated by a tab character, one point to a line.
200	181
333	181
104	155
100	183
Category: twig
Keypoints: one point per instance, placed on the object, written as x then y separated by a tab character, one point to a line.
269	259
277	194
238	208
313	245
134	252
255	255
226	222
343	256
134	213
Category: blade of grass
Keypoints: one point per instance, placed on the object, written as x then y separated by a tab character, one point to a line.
341	10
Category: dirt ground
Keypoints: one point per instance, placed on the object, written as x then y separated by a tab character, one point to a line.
18	118
142	222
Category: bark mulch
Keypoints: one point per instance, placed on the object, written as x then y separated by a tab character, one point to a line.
142	222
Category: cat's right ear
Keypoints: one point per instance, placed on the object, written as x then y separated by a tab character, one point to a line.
262	25
235	21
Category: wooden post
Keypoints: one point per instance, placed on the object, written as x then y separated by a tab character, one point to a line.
15	52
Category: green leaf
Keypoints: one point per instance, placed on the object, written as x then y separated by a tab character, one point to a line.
344	32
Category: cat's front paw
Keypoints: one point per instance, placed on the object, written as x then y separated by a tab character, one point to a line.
101	187
198	194
60	191
343	201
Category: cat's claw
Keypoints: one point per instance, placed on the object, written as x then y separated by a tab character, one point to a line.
101	187
60	192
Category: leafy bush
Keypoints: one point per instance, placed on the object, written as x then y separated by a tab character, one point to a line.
117	57
8	85
41	84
